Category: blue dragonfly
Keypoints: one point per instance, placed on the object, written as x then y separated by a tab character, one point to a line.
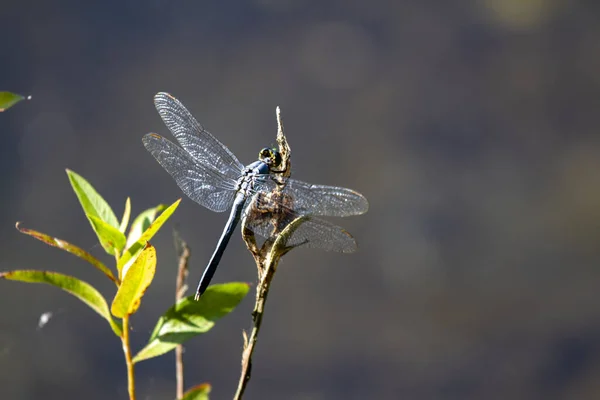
209	174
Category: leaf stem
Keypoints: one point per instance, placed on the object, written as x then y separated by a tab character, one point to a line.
128	360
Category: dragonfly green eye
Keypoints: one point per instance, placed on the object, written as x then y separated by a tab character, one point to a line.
270	156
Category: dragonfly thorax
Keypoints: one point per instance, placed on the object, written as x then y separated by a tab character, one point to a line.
257	170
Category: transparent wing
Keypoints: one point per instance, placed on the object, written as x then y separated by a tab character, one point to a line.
321	200
196	140
204	185
269	214
311	232
317	233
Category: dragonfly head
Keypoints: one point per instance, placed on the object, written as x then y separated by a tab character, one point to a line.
271	157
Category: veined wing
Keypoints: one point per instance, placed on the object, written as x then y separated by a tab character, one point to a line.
310	231
317	233
320	200
206	186
196	140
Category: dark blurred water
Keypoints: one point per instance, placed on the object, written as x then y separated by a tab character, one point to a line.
471	128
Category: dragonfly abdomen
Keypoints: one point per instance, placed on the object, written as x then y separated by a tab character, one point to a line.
232	221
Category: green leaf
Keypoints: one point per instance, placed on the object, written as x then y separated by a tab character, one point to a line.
134	283
126	216
189	318
199	392
142	222
111	239
92	203
139	244
78	288
8	99
61	244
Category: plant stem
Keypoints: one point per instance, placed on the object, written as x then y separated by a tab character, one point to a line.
128	361
266	258
179	371
262	290
180	287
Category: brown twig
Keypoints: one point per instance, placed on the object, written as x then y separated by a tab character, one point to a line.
262	290
284	147
266	257
266	262
183	253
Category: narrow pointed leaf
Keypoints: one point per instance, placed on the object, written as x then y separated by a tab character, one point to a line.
111	238
189	318
92	203
134	283
142	222
126	216
8	99
199	392
66	246
78	288
138	245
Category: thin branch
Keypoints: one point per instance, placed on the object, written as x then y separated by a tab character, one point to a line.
284	147
262	290
128	360
270	254
266	258
183	252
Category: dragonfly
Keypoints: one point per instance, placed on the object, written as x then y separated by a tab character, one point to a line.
210	174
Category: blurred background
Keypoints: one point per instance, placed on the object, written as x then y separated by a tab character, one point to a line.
471	127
